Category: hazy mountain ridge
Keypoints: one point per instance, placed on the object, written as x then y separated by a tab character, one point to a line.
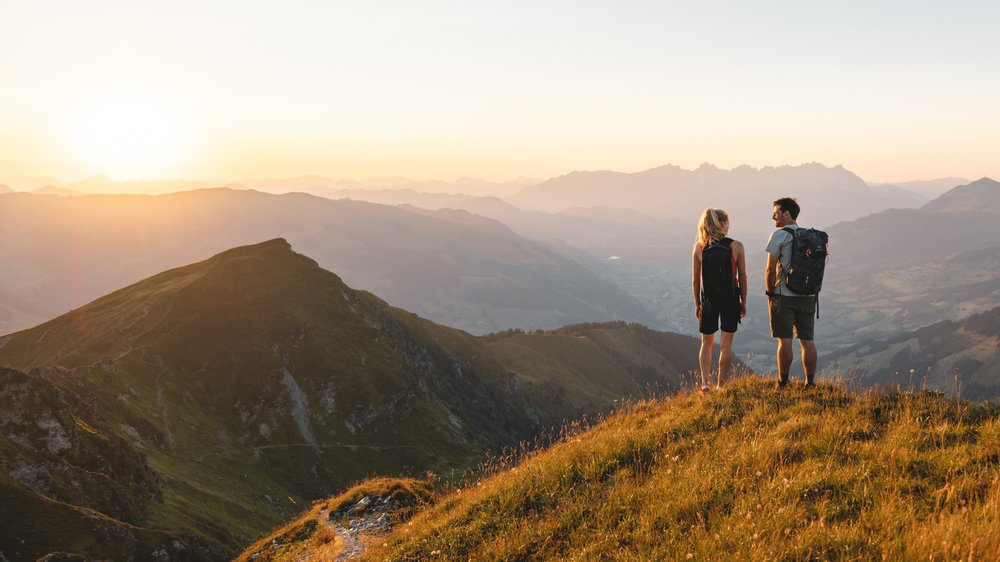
927	188
601	231
834	194
635	251
980	195
53	190
27	183
468	272
336	188
256	376
901	269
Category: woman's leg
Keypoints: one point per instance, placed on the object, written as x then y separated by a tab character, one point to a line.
725	355
705	357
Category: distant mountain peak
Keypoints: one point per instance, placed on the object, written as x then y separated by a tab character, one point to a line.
980	195
673	192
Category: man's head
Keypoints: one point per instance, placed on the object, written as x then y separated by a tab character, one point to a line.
786	211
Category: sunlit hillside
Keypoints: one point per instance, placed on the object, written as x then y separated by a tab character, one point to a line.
750	473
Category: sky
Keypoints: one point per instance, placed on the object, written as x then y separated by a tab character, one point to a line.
220	89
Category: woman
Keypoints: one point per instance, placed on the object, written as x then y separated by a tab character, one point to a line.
719	285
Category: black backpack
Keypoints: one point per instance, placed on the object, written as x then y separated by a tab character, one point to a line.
805	272
718	272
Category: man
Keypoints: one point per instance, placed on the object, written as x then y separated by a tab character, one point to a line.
789	312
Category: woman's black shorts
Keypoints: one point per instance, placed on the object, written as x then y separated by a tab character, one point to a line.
712	313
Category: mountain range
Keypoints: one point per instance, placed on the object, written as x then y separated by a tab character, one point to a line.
928	188
316	185
326	187
833	194
901	269
190	412
450	266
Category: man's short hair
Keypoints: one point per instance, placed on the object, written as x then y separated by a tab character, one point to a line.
788	204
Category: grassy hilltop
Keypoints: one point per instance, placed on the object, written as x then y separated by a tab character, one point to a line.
749	473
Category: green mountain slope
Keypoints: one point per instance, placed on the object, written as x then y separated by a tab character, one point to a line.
747	474
951	356
251	381
591	367
69	480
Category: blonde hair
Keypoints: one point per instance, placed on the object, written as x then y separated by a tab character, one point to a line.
711	227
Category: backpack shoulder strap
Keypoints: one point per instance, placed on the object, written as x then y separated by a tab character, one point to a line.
736	277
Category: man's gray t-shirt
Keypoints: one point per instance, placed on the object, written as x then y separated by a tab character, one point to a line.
780	246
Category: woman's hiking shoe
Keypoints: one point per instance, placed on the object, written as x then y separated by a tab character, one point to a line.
705	388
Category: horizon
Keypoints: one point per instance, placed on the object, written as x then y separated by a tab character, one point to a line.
407	182
237	90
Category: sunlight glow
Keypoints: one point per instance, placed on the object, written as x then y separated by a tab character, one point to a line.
129	138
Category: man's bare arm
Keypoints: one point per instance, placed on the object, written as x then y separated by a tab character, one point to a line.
771	273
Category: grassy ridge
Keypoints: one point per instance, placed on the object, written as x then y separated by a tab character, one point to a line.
749	473
309	537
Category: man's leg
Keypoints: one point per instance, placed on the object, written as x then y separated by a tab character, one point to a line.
805	326
705	357
808	359
782	319
784	358
725	356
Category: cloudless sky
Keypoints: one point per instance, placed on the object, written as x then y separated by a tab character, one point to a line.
220	89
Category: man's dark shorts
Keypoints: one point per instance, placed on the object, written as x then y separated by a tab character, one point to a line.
711	313
788	313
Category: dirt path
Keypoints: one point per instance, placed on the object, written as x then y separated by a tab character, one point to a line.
374	522
353	546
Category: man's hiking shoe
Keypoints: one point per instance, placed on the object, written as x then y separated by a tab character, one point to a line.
782	384
810	385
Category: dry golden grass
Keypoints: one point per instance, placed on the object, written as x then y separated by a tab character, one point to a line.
751	473
308	537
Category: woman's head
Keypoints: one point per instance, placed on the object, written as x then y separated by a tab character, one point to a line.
714	225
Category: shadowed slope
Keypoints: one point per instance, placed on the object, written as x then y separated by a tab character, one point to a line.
260	364
255	379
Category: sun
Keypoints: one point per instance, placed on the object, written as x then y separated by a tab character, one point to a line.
129	138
